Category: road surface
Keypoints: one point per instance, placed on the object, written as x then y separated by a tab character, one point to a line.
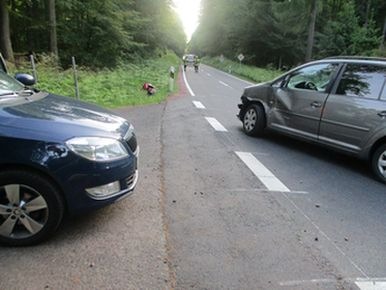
216	209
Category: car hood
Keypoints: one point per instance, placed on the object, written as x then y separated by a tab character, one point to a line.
56	117
254	90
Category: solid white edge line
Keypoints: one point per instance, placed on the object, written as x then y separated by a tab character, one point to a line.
216	124
261	172
186	82
198	105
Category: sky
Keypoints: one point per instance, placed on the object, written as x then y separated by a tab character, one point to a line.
188	10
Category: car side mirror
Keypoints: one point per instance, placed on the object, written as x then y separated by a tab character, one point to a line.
25	79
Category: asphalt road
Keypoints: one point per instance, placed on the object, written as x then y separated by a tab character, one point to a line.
200	217
317	223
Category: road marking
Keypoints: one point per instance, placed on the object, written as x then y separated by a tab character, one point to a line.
262	190
186	83
302	282
262	173
216	124
199	105
224	84
208	74
363	284
371	285
232	76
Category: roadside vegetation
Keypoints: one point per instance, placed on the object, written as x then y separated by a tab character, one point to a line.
121	86
282	34
244	71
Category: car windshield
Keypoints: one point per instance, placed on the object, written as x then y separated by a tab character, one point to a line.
8	85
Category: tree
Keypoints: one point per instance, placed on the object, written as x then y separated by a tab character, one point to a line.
311	31
5	36
52	22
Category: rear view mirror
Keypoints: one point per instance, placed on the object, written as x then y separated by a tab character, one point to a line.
25	79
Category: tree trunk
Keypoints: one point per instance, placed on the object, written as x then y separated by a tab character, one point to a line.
52	20
5	35
367	16
382	46
311	31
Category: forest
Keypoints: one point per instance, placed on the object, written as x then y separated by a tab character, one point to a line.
99	33
287	32
273	33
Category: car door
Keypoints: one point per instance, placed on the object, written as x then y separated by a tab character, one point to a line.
297	105
356	108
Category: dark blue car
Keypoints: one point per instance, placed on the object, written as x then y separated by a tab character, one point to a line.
57	156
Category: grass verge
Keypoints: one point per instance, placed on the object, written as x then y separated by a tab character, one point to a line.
112	88
248	72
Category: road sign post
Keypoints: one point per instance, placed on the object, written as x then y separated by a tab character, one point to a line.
240	57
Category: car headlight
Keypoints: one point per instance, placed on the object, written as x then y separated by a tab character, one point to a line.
97	148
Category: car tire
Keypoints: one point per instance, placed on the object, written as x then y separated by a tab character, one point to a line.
254	120
31	208
378	163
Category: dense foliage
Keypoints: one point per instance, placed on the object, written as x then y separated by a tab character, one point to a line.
98	33
111	88
277	32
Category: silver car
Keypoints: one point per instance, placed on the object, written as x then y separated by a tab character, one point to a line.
337	102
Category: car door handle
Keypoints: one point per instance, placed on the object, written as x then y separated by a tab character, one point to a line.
316	104
382	114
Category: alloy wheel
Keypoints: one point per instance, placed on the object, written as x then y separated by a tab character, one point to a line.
382	164
23	211
250	120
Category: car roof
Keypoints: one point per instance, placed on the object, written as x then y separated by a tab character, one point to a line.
357	59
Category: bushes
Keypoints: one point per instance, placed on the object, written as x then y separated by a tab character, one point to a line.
246	71
111	88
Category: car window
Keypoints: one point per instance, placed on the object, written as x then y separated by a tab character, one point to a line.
9	84
383	93
314	77
360	80
2	64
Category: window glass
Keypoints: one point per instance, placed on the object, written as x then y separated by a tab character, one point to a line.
2	64
9	84
314	77
362	81
383	93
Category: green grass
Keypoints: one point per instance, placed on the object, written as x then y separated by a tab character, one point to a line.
112	88
248	72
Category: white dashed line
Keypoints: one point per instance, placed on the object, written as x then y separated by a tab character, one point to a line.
216	124
208	74
186	83
371	285
262	173
198	105
224	84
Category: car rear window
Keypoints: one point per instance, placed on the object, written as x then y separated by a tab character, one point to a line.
359	80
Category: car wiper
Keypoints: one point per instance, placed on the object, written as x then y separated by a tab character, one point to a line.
25	93
10	94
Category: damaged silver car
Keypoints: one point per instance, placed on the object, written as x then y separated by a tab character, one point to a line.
337	102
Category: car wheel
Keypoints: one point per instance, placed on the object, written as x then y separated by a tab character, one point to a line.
254	120
31	208
378	163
